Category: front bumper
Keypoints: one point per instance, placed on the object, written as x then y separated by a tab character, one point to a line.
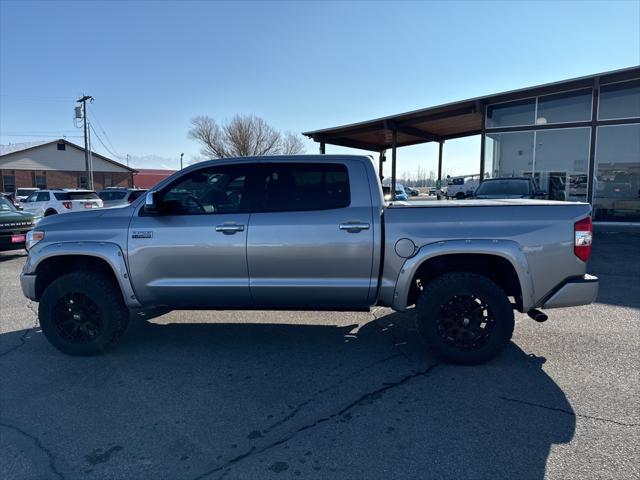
577	291
28	285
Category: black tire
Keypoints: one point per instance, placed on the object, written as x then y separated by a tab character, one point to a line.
465	318
460	196
50	212
98	319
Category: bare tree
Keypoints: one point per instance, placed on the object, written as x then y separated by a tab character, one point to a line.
242	136
291	144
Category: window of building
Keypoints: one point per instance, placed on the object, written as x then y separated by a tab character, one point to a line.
558	163
62	146
304	186
41	180
83	181
565	107
617	181
108	180
9	182
619	100
512	114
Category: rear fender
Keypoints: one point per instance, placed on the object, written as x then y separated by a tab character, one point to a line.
506	249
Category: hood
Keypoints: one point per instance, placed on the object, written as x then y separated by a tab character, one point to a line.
15	217
71	217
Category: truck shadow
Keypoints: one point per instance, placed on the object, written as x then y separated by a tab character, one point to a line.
254	400
615	259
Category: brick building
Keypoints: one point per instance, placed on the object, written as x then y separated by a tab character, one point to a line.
57	164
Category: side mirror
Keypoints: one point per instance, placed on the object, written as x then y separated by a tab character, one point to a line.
23	200
151	202
539	193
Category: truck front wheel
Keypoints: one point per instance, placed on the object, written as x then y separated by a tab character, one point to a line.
82	313
464	317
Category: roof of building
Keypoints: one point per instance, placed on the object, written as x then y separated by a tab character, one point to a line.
22	147
447	121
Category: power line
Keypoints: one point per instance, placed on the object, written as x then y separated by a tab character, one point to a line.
93	115
38	135
102	143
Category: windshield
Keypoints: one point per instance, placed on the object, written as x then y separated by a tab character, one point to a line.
5	204
511	186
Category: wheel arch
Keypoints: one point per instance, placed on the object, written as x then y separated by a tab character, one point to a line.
55	260
500	260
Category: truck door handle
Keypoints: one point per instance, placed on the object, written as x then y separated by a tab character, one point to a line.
229	229
354	227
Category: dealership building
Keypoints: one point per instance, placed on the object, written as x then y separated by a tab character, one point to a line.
57	164
578	138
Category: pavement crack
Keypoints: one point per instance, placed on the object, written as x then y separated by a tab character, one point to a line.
40	445
23	338
372	395
569	412
303	404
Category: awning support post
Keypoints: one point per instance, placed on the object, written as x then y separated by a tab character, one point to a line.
441	144
381	159
394	141
483	137
322	148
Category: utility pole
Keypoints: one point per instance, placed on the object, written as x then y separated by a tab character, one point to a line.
127	159
83	100
181	155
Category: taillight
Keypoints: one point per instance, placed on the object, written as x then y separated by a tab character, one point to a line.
66	205
583	236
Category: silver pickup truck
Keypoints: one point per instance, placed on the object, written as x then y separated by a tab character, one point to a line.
308	232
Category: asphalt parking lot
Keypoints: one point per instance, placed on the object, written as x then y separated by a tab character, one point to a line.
327	395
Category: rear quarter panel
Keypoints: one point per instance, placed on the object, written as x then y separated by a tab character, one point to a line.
542	231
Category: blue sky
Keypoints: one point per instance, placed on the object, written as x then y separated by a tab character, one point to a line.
152	66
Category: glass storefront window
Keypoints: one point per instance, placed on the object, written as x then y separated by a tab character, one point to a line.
511	114
617	182
559	162
565	107
619	100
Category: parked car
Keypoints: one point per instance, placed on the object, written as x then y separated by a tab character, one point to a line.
508	187
22	194
307	232
461	187
50	202
401	194
112	197
414	192
14	225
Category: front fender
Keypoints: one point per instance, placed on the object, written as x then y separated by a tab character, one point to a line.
506	249
107	251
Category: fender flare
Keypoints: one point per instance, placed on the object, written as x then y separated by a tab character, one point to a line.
111	253
507	249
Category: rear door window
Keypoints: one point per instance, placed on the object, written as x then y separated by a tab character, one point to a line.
286	187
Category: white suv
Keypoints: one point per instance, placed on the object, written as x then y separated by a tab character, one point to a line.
50	202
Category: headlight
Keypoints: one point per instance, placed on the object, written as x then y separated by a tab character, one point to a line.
33	237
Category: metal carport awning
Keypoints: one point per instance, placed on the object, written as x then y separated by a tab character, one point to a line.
456	120
422	126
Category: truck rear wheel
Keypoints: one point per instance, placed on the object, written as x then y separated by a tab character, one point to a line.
82	313
464	317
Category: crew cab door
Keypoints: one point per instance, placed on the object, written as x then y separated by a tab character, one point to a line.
193	251
311	242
